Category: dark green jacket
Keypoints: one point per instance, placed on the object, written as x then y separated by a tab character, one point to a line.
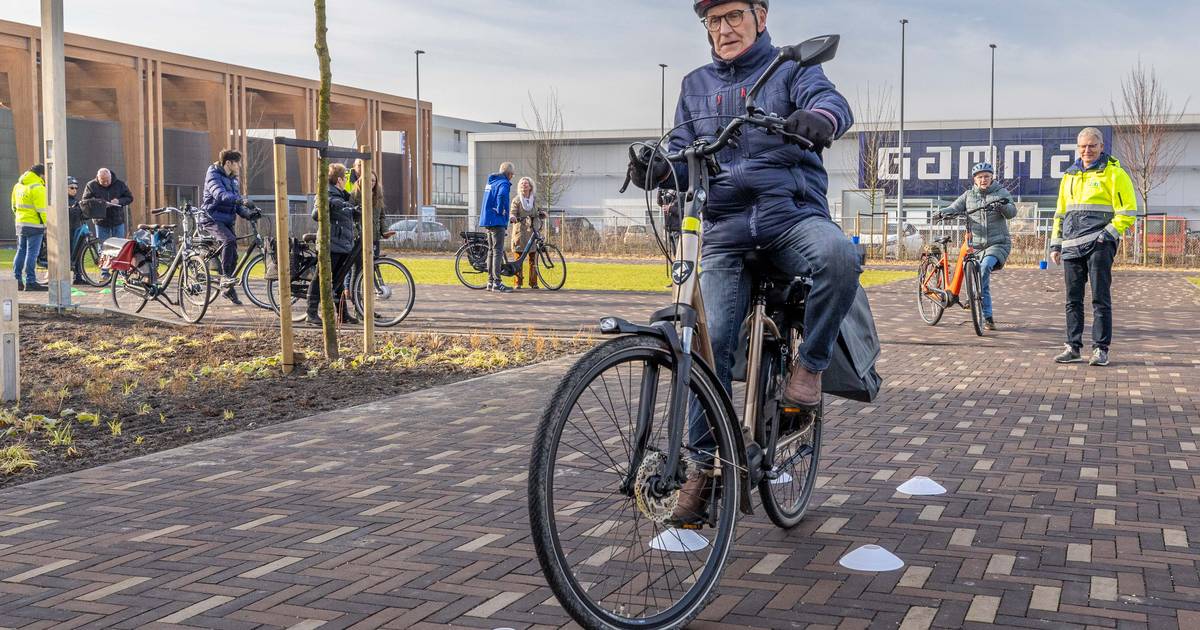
989	229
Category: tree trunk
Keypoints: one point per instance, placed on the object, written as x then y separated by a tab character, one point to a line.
325	263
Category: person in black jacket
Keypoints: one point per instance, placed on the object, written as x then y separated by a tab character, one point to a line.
116	195
343	245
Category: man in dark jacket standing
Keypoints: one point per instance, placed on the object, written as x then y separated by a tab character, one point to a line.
222	204
115	194
769	197
493	218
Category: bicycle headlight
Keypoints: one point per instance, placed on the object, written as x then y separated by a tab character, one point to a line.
608	325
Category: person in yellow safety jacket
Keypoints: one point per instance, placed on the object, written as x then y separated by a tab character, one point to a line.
1096	205
29	202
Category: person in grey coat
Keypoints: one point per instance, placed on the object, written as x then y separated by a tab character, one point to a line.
989	228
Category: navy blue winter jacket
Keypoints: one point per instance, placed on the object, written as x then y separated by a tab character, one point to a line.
222	196
766	185
496	201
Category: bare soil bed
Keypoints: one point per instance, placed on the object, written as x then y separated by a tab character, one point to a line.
100	390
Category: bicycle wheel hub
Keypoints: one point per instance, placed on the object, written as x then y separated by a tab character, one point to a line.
654	505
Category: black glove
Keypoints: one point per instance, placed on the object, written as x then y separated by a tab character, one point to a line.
817	128
640	164
937	217
253	214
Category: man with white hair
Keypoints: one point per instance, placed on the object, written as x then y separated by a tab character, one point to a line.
493	218
1096	205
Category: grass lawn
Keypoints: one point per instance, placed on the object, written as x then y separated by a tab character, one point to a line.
603	276
1194	280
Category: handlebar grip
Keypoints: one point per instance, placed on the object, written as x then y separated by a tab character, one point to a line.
625	186
804	143
160	211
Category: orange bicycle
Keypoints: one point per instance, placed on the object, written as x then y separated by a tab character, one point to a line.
937	290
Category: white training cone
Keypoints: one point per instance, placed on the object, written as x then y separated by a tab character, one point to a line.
679	540
921	486
871	558
781	479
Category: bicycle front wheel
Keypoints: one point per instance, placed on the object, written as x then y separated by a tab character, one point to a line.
254	281
931	285
974	295
551	267
194	287
604	531
467	265
87	263
395	292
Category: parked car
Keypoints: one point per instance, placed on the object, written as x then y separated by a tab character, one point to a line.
414	233
637	235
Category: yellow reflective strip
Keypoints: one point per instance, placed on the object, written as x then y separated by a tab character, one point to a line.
691	224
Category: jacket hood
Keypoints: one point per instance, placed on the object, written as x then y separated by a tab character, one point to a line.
496	178
29	177
760	52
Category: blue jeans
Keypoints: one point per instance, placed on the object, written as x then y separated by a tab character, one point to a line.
816	247
29	244
985	282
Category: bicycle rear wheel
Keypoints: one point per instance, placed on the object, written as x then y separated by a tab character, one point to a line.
254	282
931	285
395	292
974	296
787	489
608	548
87	263
194	287
466	265
551	267
129	293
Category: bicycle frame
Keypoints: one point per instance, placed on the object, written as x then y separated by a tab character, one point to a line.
953	283
534	242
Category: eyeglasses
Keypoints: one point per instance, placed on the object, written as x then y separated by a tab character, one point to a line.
1089	146
733	18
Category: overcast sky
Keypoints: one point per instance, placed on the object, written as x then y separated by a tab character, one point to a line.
602	56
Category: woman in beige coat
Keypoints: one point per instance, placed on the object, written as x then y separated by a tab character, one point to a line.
522	217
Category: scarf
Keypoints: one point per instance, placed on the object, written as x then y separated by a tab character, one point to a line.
527	203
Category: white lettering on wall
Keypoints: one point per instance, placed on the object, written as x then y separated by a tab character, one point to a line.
1059	162
887	163
969	156
936	167
1030	154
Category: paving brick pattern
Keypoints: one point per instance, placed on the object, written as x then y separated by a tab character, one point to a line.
1072	499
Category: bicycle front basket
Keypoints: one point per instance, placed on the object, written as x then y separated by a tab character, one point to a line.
117	254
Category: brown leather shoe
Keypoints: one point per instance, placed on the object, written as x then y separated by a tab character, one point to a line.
803	388
693	500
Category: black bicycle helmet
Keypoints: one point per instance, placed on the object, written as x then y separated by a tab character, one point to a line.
702	6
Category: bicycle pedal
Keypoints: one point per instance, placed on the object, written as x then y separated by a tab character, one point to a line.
692	526
794	410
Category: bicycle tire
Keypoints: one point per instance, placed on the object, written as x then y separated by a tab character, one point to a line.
87	263
256	298
551	267
468	274
126	296
402	293
193	288
930	276
971	276
785	497
625	603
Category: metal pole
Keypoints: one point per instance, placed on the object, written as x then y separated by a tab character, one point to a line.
900	143
992	118
54	132
420	164
662	109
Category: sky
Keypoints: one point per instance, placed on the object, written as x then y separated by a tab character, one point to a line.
486	58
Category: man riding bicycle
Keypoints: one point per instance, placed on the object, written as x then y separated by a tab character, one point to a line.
769	197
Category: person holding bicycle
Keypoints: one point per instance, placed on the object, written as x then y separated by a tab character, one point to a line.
493	218
989	228
343	244
768	196
222	204
524	216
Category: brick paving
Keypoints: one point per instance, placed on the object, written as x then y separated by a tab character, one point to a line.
1072	499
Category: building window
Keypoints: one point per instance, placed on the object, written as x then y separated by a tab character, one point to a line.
447	185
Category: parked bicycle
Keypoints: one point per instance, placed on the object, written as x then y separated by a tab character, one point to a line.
613	449
395	291
136	278
470	262
937	290
86	262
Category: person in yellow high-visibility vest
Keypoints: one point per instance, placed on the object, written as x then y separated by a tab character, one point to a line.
1096	205
29	213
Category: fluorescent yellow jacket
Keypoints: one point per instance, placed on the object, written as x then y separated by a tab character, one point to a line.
1093	203
29	200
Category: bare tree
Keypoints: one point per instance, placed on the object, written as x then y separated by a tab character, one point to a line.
875	113
552	150
1141	121
325	263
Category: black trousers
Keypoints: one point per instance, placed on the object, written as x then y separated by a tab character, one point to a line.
343	264
1096	268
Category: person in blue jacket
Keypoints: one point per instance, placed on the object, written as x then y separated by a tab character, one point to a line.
769	197
221	205
493	218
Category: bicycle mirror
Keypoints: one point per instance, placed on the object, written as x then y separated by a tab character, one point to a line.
812	52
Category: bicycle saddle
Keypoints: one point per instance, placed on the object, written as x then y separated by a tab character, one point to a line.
155	226
758	265
943	240
309	238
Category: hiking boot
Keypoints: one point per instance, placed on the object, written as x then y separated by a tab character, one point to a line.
231	295
35	286
692	508
312	319
78	282
20	285
1099	358
349	318
803	388
1069	355
989	323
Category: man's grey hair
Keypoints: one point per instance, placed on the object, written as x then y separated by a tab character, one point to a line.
103	171
1093	133
507	168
